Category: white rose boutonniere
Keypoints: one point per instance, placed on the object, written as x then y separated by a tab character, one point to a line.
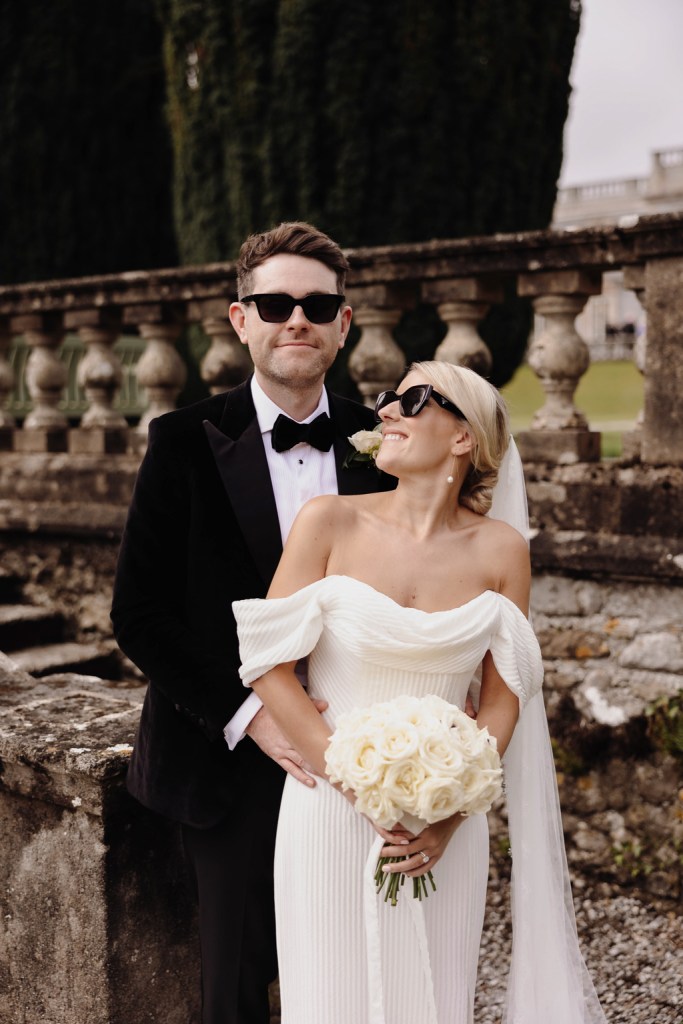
366	444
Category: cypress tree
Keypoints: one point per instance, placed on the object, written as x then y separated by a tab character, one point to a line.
218	59
401	121
387	122
85	155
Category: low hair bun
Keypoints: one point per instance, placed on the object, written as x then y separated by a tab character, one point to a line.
477	491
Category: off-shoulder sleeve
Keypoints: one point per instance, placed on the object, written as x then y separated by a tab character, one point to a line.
276	630
516	652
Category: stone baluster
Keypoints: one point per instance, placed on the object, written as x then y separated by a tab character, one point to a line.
559	357
376	362
7	422
102	429
462	303
634	280
45	427
662	429
160	370
227	361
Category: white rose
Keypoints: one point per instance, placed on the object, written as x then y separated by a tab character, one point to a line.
438	799
396	740
367	441
342	751
480	787
447	714
472	740
363	767
437	706
489	757
402	783
377	805
486	799
439	754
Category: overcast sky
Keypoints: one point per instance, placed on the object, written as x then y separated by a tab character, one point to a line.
628	89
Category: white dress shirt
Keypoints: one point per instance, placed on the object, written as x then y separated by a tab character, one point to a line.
297	475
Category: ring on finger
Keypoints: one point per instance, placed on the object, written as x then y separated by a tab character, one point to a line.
425	857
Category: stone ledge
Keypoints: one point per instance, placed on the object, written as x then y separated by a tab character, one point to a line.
96	923
608	555
597	519
601	247
65	738
48	476
78	519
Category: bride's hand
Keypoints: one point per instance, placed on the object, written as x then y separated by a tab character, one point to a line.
431	844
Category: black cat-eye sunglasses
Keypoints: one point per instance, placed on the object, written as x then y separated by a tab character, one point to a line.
413	400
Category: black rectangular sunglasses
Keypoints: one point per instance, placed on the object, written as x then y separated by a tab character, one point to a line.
414	399
277	307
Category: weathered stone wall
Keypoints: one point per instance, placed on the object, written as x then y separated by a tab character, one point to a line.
74	574
96	923
613	654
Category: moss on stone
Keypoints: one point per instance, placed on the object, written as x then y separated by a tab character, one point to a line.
665	725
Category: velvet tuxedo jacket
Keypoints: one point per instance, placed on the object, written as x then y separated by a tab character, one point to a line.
202	532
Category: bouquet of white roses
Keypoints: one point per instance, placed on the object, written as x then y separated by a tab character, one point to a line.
414	757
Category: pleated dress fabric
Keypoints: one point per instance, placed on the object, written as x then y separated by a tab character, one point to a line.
345	956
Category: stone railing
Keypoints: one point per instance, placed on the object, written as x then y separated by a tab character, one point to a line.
665	179
557	271
615	188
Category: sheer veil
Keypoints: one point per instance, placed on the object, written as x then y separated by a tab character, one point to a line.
548	978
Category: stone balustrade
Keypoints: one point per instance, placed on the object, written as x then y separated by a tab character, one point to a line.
463	278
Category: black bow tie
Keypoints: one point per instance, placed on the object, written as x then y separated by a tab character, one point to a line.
286	433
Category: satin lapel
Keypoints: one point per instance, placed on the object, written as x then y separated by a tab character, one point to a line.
244	471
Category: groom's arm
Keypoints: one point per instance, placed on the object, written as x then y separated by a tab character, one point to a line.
238	726
148	610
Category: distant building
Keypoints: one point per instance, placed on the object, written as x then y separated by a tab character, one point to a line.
608	202
612	322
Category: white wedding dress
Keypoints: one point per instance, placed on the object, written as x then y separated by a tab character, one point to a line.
345	956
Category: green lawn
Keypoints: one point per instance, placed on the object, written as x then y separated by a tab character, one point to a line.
609	394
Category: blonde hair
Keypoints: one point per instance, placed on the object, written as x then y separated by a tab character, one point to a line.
487	420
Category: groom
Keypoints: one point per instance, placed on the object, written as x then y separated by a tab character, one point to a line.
216	494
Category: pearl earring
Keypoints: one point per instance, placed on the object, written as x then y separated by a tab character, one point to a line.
450	477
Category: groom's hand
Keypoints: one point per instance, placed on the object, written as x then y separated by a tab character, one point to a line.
273	742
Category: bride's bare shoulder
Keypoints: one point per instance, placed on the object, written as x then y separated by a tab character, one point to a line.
329	510
504	553
501	544
498	532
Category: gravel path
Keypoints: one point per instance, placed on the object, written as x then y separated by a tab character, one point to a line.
633	946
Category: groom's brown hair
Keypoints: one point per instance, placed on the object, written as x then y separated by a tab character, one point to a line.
295	237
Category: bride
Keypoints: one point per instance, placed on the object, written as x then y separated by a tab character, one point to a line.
410	591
